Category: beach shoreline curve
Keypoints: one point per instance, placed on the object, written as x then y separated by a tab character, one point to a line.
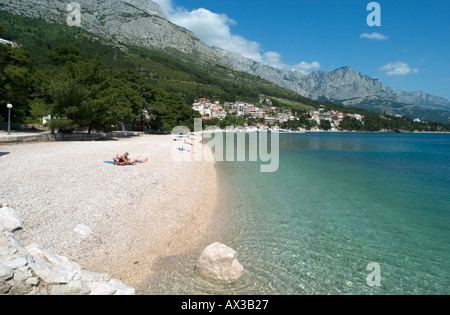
137	214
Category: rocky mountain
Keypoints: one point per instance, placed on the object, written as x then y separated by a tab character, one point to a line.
129	22
143	23
286	79
348	87
423	99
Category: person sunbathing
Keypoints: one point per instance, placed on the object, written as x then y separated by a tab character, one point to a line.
188	143
125	160
138	161
122	160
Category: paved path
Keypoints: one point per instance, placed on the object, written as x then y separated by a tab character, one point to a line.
20	136
23	136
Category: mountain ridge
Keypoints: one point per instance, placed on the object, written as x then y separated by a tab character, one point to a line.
346	86
144	23
136	22
160	83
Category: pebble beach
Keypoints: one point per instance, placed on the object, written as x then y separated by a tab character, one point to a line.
136	214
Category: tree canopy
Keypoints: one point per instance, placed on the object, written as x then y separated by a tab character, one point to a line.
15	77
79	92
84	81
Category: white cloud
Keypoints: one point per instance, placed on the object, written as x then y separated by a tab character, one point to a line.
306	67
214	29
274	59
375	35
398	68
166	5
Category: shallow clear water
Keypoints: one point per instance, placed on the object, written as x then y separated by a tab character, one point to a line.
338	202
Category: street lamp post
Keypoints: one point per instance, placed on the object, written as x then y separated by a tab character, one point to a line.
9	118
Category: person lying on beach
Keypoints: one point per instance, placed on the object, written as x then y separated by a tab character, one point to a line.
125	160
188	143
121	160
139	161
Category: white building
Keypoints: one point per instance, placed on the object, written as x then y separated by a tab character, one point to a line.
8	42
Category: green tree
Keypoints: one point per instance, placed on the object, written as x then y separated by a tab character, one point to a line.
351	123
113	107
372	122
86	94
68	97
169	110
325	124
15	69
66	53
39	108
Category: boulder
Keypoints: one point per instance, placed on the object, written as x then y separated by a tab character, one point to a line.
6	273
35	270
73	287
10	219
110	287
53	268
101	288
219	262
90	276
121	288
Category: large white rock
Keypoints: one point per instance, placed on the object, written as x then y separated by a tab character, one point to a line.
101	288
90	276
219	262
75	287
121	288
10	219
52	268
36	270
5	272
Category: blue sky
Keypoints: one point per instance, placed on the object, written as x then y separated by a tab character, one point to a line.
409	51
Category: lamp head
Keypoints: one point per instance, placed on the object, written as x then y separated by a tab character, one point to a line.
9	106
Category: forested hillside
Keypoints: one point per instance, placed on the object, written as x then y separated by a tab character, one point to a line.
87	82
71	74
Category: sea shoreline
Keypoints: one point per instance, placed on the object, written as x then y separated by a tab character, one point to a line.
334	207
137	214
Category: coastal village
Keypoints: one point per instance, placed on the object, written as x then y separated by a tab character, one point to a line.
267	115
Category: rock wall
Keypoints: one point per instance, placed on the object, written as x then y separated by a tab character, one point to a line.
130	22
33	270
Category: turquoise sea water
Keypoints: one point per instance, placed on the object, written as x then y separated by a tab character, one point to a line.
338	202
